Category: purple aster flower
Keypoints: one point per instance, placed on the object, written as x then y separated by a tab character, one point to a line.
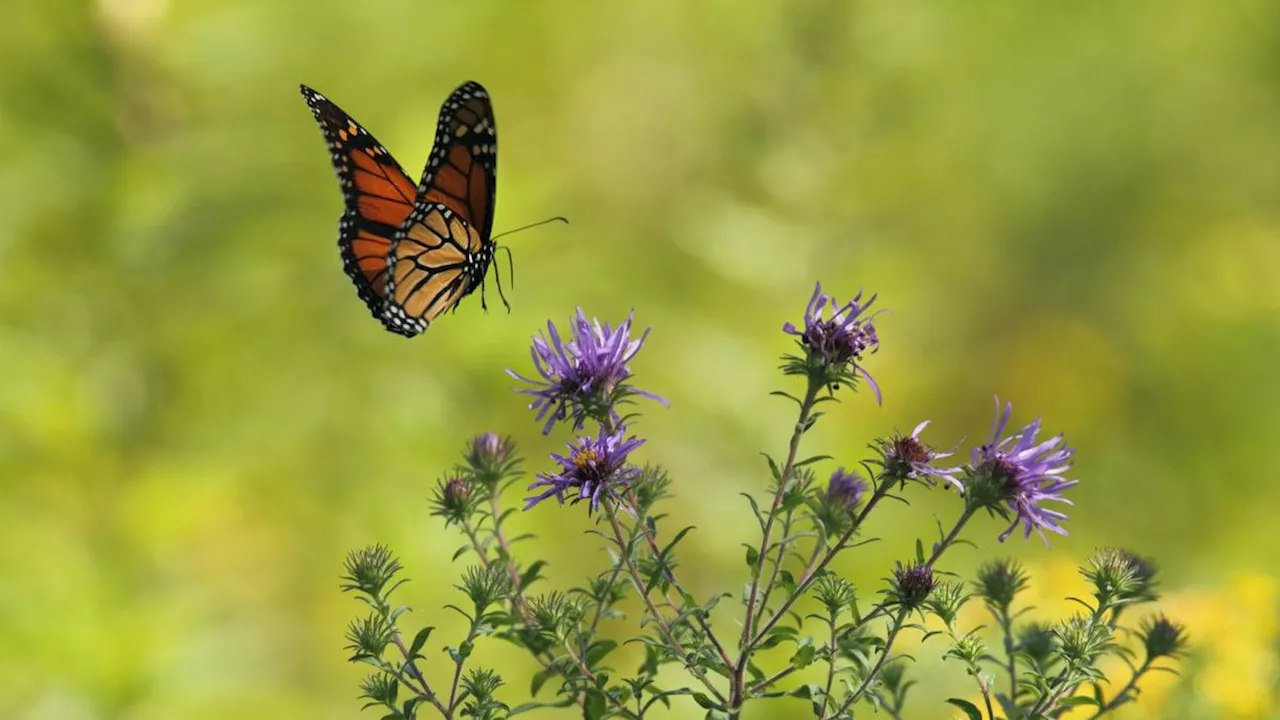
1027	472
906	457
594	467
584	376
845	490
836	344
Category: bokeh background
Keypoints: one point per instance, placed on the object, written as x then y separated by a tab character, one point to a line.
1074	206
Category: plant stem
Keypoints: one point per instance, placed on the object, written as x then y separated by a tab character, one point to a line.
1006	628
810	575
736	687
586	673
680	609
806	409
884	656
624	548
831	669
986	697
1124	691
417	674
777	569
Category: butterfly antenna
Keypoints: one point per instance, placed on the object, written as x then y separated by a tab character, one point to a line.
557	218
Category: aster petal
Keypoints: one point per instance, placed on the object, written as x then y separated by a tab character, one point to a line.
875	388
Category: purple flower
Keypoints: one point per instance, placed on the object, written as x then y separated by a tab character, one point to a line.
836	344
906	457
585	376
594	467
1027	472
845	490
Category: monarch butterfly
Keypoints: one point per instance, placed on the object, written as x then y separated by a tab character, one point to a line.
414	251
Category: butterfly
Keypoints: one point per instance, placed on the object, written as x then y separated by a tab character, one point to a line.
415	250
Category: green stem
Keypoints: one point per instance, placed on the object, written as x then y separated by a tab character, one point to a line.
810	575
624	548
1006	628
680	609
417	674
736	695
1124	691
777	570
898	622
831	669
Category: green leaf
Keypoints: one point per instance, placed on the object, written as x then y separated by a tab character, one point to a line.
753	557
704	700
596	705
528	577
1076	701
526	707
803	656
540	678
773	468
755	508
811	460
919	551
969	708
598	651
419	641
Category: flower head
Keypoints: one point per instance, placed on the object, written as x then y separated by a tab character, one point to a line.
911	584
1025	473
845	490
594	468
834	346
1162	637
999	582
584	376
907	457
454	498
489	457
489	449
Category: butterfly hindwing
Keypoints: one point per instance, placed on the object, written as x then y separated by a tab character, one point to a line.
379	197
436	260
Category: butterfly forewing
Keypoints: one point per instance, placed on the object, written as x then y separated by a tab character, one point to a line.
461	173
378	196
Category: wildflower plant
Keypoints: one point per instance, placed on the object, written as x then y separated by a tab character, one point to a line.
611	645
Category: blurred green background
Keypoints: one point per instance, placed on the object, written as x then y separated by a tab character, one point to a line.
1074	206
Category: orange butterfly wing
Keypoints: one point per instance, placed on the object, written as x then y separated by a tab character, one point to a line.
379	198
442	251
461	172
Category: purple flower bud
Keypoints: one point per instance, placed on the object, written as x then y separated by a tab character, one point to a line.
912	584
845	490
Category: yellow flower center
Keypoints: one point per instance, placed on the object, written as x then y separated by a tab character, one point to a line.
586	458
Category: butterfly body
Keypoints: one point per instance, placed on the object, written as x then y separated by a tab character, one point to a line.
412	250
